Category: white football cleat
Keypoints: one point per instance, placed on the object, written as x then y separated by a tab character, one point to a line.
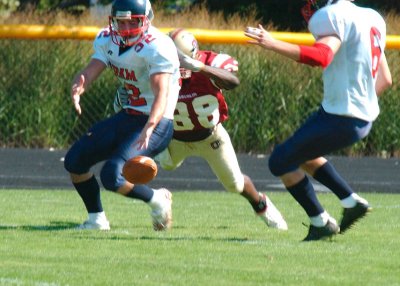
94	225
271	216
161	213
96	221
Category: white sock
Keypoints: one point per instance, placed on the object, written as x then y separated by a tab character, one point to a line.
320	220
154	202
352	200
97	216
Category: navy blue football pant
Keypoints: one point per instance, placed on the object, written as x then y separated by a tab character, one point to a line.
321	134
113	140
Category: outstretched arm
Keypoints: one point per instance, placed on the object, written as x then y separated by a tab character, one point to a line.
320	54
83	80
224	79
160	86
262	38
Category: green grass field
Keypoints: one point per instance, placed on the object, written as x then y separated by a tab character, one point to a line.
216	240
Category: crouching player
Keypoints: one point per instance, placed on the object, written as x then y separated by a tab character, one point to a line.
198	118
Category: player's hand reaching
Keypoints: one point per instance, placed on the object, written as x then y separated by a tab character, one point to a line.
121	99
76	91
143	141
260	37
189	63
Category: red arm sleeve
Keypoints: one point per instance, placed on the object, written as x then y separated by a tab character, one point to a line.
317	55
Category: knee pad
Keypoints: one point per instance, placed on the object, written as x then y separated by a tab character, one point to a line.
111	175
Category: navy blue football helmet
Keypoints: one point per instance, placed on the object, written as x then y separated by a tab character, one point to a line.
129	21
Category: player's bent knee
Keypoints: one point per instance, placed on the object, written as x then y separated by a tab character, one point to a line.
167	167
110	177
75	161
68	165
71	163
165	160
235	186
276	163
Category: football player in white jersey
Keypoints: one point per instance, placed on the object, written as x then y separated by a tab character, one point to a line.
198	129
349	46
145	62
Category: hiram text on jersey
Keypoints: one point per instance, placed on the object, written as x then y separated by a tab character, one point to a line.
124	73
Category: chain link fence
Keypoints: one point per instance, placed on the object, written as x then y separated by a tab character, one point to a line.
35	104
274	97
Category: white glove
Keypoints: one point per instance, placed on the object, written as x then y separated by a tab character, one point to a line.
189	63
253	31
120	99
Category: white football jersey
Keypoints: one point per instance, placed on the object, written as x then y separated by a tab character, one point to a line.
133	66
349	81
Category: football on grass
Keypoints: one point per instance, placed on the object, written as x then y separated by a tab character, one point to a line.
139	170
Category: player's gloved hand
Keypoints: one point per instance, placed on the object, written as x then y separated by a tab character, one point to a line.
120	99
189	63
253	31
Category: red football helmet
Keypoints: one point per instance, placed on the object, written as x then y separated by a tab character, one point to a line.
129	21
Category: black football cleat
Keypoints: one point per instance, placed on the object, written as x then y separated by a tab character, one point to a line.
323	232
352	215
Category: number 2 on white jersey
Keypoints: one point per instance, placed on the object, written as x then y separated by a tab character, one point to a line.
206	109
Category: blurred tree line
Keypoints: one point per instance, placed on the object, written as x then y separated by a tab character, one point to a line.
283	14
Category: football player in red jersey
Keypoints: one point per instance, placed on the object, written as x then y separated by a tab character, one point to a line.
198	118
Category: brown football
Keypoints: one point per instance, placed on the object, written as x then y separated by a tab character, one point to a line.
140	170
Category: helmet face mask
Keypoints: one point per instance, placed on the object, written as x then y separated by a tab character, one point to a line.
129	21
128	31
